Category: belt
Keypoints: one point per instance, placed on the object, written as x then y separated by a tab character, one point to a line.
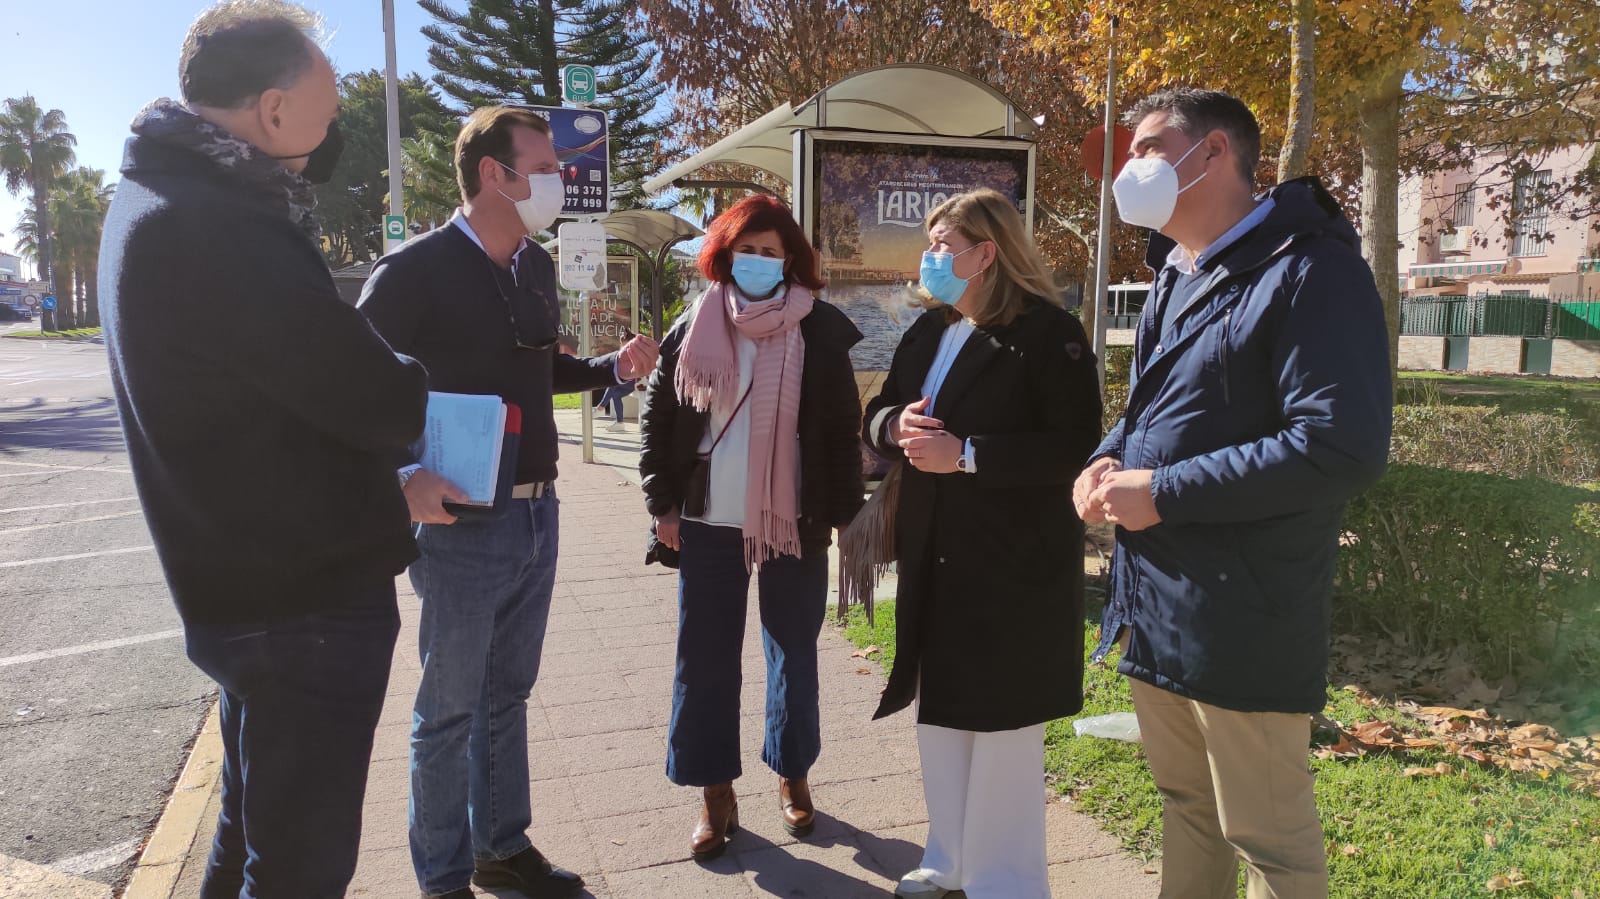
533	491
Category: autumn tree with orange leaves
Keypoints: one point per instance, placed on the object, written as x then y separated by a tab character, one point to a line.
1397	86
732	61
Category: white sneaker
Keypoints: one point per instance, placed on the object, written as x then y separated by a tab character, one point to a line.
615	427
917	885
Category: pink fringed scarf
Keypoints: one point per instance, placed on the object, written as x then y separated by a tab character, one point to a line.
708	376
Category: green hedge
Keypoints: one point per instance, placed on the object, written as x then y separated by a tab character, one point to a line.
1484	439
1505	568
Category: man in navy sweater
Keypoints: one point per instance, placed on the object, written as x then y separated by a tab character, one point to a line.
263	418
1260	405
475	300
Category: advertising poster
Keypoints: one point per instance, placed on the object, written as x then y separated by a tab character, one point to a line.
613	309
580	139
868	202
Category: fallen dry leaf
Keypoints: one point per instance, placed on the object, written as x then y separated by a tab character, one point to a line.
1351	849
1438	770
1490	841
1445	711
863	670
863	653
1507	881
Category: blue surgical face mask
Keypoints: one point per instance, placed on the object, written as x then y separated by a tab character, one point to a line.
757	276
939	276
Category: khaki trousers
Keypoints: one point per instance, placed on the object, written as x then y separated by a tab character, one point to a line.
1235	785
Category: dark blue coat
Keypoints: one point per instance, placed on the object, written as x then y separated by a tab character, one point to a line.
1265	409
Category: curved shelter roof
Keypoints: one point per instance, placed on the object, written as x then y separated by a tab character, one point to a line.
908	98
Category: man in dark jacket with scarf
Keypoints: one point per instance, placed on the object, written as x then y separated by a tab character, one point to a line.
1260	406
263	417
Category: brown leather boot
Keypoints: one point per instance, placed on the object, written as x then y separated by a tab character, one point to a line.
719	819
799	816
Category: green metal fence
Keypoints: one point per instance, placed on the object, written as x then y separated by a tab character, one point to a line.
1496	315
1576	321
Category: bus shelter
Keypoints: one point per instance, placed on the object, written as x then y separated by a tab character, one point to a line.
865	160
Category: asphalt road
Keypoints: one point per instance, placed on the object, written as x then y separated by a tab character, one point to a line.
98	704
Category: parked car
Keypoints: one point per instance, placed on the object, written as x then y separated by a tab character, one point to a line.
10	313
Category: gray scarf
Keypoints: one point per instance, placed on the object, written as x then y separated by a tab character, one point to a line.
170	122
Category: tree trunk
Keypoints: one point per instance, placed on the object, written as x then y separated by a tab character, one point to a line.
91	296
1380	199
1302	93
41	218
547	52
67	300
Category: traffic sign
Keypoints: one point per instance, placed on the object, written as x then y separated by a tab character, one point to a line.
578	85
394	227
30	299
579	136
1093	150
49	303
582	255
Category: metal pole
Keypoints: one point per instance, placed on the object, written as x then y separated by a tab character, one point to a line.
1102	260
392	113
588	395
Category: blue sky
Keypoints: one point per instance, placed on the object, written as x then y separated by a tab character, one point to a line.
100	61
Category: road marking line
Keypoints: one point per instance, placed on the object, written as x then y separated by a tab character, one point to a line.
62	524
87	502
20	878
90	647
110	552
98	860
67	467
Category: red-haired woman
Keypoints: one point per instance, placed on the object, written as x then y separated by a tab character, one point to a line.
756	378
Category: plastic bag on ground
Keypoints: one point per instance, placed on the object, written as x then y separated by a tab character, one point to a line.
1122	726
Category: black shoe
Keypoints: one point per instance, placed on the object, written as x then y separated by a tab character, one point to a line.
463	893
529	873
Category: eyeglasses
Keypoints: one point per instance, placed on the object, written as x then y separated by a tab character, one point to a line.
523	343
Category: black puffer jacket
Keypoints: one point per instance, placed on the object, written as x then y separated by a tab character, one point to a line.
829	424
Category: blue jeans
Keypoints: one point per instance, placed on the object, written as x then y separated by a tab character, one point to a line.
713	591
300	701
612	399
485	587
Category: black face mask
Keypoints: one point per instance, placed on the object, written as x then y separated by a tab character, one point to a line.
321	162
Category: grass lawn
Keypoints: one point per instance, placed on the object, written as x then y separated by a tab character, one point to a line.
74	334
1389	836
568	400
1530	393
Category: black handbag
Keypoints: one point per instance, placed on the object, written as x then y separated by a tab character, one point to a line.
697	489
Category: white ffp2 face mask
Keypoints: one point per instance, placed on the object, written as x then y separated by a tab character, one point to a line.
546	195
1147	190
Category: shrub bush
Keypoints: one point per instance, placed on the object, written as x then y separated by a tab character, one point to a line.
1119	367
1485	439
1502	567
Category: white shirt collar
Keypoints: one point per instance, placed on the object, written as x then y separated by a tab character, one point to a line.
1179	258
460	221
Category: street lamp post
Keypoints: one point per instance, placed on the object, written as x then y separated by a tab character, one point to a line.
392	113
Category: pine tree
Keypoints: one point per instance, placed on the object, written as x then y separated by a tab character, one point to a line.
497	51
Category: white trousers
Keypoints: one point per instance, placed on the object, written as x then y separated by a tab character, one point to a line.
985	794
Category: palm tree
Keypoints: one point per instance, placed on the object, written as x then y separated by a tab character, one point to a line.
35	150
78	205
427	171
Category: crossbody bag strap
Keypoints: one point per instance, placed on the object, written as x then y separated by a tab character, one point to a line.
735	414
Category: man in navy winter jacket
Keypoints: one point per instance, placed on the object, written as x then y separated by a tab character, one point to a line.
1260	405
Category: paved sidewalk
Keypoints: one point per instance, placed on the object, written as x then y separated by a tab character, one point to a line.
597	729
